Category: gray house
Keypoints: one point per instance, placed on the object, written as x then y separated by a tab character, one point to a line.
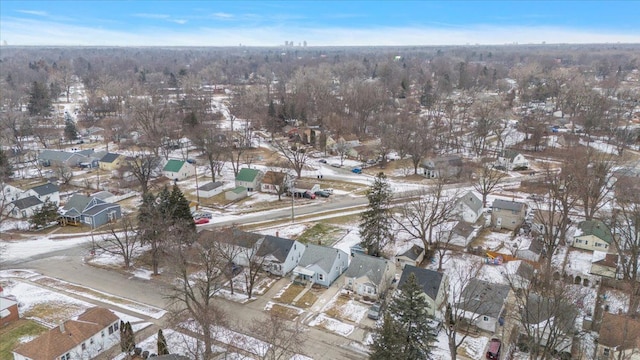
469	207
280	255
507	214
46	192
433	284
82	209
369	276
483	303
24	208
448	166
62	158
321	264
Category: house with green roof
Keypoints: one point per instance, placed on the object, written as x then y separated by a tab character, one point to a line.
178	170
593	235
249	178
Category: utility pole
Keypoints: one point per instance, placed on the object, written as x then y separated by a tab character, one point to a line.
195	165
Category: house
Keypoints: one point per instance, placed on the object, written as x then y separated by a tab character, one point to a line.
449	166
462	234
433	284
549	318
237	193
604	264
413	256
593	235
242	245
304	186
24	208
210	189
469	206
105	196
616	343
511	160
8	309
82	209
544	218
44	192
507	214
111	161
62	158
321	265
248	178
532	250
273	182
519	273
280	255
369	276
9	193
178	170
94	331
482	303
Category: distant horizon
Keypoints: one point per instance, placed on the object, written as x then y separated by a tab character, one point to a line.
319	24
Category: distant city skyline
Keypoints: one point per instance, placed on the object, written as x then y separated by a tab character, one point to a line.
327	23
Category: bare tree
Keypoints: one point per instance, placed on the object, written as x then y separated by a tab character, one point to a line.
281	339
64	173
342	148
143	167
122	241
295	154
487	179
196	269
595	181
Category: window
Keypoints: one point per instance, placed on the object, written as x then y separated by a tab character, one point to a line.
586	242
102	333
110	329
320	277
84	346
91	341
605	351
598	245
115	326
578	241
485	318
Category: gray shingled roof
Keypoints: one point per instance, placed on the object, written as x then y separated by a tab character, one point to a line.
78	202
102	195
54	155
276	246
428	280
413	252
509	154
210	186
539	309
463	229
507	205
99	208
109	158
46	189
472	201
322	256
484	298
365	265
27	202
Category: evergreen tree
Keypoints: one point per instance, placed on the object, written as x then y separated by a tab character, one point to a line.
70	131
162	344
39	100
375	222
122	336
181	212
47	213
409	312
129	338
387	341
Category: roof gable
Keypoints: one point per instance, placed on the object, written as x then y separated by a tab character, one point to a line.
276	246
246	174
369	266
173	165
472	201
413	252
428	280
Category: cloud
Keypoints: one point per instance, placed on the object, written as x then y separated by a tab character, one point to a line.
178	21
222	15
20	31
33	12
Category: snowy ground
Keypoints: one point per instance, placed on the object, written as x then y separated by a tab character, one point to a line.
332	325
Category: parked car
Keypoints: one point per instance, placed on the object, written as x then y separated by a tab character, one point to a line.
375	311
493	351
308	195
202	221
323	161
202	215
322	193
336	165
356	170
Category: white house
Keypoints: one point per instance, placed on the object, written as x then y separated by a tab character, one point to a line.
280	255
321	264
178	170
95	331
593	235
249	178
469	207
210	189
24	208
369	276
511	160
432	283
412	256
44	192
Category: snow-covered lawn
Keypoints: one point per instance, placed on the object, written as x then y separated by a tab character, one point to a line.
616	300
332	325
349	310
18	250
178	343
579	262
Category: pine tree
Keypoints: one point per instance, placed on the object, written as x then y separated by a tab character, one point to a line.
39	99
387	341
410	310
6	168
376	223
70	131
181	212
162	344
47	213
129	342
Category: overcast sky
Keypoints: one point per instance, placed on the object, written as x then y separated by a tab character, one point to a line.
320	23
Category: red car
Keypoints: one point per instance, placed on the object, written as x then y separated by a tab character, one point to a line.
202	221
493	351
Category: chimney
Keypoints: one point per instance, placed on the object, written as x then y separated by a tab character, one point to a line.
62	327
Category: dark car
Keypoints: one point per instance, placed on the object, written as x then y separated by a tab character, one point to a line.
322	161
375	311
322	193
493	351
308	195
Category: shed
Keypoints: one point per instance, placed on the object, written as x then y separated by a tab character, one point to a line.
237	193
210	189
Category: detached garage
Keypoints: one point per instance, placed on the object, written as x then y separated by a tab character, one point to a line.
238	193
210	189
